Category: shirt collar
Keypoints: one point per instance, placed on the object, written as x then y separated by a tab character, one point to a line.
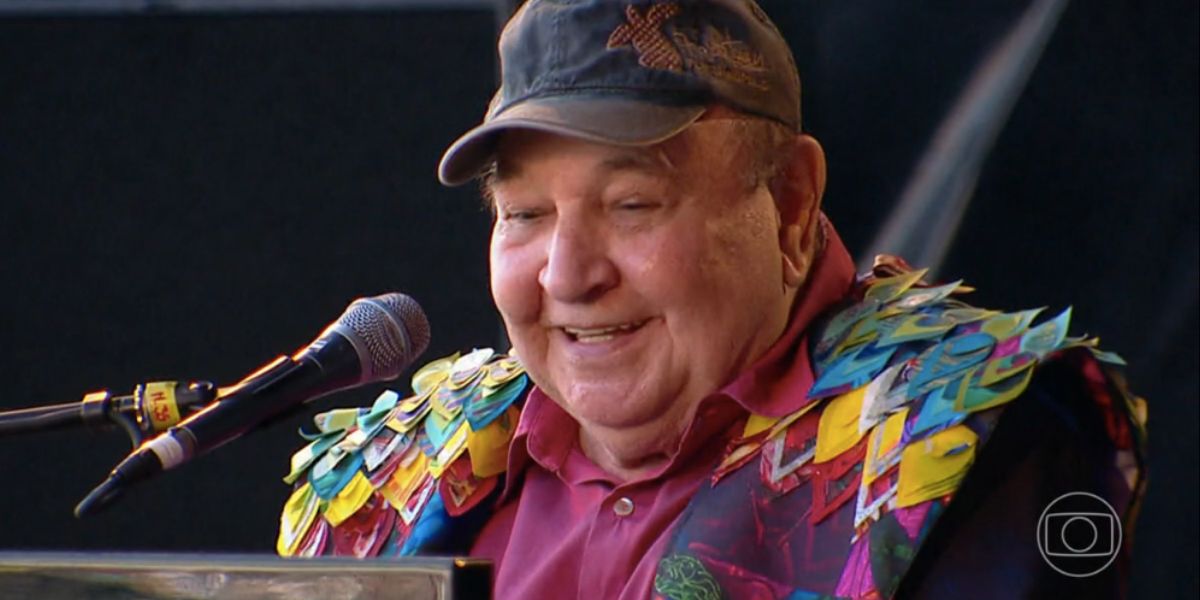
547	434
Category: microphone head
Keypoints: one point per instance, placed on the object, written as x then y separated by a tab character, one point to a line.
388	332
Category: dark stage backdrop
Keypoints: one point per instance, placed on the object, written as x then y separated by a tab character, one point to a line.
188	196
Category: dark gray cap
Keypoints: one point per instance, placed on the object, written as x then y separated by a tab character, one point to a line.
629	72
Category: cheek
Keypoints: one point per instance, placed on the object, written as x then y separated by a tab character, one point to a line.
741	260
734	251
751	231
514	272
665	268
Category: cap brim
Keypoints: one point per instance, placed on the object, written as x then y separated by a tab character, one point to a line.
621	122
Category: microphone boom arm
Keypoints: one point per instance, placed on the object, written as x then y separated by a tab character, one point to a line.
152	408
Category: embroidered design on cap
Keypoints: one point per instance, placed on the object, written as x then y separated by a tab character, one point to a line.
644	33
721	57
711	53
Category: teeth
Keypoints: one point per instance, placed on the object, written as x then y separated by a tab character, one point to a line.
593	339
600	334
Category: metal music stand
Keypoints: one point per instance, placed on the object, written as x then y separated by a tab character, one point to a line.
130	576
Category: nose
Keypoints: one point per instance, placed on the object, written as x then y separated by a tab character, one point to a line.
578	267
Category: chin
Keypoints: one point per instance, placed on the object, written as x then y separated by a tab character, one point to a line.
615	408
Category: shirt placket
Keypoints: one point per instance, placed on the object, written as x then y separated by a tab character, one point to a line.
606	565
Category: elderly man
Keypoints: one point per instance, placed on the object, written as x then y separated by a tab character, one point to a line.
702	400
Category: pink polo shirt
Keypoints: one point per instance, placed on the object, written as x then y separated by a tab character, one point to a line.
564	528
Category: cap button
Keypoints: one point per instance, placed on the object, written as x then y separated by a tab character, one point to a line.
623	507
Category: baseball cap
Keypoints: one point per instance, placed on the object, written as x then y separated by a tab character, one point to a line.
629	72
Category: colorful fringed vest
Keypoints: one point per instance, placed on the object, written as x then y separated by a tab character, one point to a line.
833	500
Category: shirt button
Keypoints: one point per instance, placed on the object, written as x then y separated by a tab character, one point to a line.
623	507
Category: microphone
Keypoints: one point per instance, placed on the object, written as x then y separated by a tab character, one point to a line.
374	340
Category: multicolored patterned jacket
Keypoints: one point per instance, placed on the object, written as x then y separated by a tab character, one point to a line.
838	499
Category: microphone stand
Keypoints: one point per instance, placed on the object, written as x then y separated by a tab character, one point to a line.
152	408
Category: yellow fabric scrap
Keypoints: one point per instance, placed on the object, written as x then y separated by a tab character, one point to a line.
999	369
341	418
837	431
301	460
298	515
882	442
975	398
439	408
737	454
454	446
405	480
864	331
414	402
501	372
890	288
489	447
756	424
349	500
1006	325
933	467
968	314
890	311
429	376
403	426
354	441
921	325
328	462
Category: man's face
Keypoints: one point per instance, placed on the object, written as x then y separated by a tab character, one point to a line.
634	281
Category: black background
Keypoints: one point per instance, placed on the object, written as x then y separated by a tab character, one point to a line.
190	195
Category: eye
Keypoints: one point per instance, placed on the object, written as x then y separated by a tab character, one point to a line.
637	204
521	215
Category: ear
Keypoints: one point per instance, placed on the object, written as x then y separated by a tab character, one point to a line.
797	191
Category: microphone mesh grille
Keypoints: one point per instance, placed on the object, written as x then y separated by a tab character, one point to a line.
392	328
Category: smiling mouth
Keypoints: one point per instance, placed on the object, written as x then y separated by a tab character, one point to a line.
595	335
